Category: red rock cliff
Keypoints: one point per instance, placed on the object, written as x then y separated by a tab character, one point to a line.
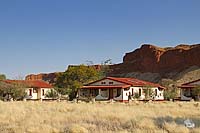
50	77
150	58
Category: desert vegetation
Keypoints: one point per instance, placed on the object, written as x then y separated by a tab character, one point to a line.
56	117
76	76
15	91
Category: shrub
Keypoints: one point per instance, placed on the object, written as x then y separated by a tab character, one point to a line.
15	91
171	89
170	94
52	94
136	96
196	92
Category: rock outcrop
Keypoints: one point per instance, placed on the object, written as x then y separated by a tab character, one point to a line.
51	77
151	63
48	77
150	58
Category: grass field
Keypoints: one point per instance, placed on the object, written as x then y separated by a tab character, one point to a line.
47	117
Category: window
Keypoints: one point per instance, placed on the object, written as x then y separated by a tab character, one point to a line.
132	91
156	92
103	83
110	83
140	92
43	92
30	92
103	89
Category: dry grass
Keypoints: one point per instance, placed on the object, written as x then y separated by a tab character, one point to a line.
56	117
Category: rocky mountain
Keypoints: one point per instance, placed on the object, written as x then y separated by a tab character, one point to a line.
51	77
48	77
153	63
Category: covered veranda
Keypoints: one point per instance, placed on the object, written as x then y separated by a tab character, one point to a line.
187	92
114	92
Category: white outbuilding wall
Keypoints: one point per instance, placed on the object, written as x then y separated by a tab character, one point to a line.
37	93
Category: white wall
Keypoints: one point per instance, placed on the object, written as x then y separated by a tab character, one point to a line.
160	93
46	90
37	94
34	95
142	97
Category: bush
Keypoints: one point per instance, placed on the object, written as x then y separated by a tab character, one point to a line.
52	94
171	89
13	91
136	96
170	94
196	93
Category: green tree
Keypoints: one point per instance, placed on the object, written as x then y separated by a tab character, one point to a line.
16	91
74	77
52	94
2	77
136	95
171	90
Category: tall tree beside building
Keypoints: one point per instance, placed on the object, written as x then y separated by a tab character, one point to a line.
171	91
75	77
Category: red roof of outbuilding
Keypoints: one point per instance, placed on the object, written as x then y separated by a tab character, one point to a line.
29	83
191	82
188	84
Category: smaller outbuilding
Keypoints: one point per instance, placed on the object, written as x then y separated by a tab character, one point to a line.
121	89
35	90
188	89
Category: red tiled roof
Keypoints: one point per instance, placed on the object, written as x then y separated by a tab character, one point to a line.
105	86
131	81
191	82
135	82
187	85
29	83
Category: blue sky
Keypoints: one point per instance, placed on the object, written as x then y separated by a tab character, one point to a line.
47	35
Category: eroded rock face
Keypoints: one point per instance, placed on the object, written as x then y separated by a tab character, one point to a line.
150	58
50	77
149	63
